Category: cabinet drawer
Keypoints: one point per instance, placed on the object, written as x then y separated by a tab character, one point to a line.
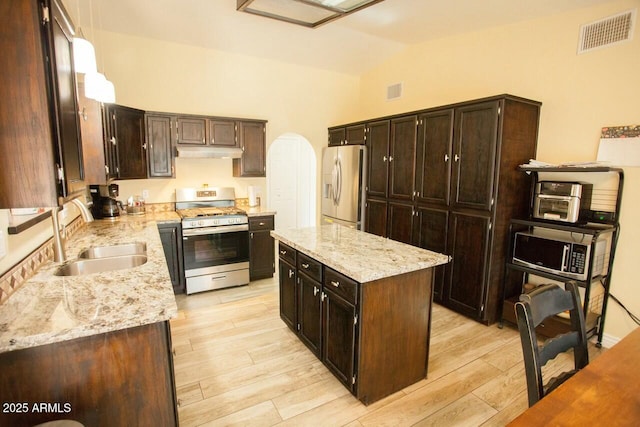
310	267
287	253
261	223
341	285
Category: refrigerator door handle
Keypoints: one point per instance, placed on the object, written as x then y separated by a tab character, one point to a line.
339	181
334	181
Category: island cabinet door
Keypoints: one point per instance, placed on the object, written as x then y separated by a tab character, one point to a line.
310	312
288	309
339	340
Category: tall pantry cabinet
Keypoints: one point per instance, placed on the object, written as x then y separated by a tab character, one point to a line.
465	186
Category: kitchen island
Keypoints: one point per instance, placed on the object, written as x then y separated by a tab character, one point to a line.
95	347
361	303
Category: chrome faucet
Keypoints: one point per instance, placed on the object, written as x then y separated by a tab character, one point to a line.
59	235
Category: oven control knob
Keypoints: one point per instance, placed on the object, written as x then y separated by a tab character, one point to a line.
200	223
194	223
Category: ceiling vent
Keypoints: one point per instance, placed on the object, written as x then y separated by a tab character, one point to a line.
394	91
607	32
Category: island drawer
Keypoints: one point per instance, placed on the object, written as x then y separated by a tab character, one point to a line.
341	285
260	223
310	267
287	253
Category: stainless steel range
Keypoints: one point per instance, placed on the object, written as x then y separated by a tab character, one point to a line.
215	238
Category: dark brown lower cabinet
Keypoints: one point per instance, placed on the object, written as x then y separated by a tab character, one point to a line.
372	336
261	247
310	312
171	238
469	248
340	337
119	378
430	232
288	294
400	222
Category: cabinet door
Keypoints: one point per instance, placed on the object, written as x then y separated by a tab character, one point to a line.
310	312
192	130
261	255
337	136
130	142
159	146
433	163
109	137
222	133
376	217
378	144
476	133
252	141
402	157
469	247
430	232
171	238
339	338
65	100
400	222
356	135
288	294
93	144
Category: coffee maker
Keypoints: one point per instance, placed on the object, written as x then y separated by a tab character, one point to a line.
105	204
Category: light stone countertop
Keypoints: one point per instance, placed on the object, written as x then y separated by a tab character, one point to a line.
361	256
48	309
258	211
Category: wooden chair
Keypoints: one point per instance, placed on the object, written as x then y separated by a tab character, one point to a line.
532	309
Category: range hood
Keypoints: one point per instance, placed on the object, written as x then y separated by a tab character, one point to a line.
209	152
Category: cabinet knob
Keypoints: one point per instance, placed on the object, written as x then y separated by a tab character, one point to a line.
315	291
456	157
390	158
291	273
446	158
261	224
305	266
384	158
283	252
334	283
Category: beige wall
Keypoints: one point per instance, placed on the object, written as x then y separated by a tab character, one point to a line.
160	76
537	59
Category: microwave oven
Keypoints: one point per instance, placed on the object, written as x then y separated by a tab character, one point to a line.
558	255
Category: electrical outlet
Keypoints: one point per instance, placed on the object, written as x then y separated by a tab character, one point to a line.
145	194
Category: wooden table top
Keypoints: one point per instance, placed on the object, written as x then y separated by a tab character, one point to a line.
605	392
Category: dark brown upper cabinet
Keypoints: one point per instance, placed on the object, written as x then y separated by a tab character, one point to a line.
93	148
433	158
128	139
40	136
222	133
474	155
402	157
350	135
160	145
192	130
252	139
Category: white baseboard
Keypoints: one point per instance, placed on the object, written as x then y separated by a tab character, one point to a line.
609	341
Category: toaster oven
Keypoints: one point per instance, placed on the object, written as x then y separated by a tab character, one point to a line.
562	201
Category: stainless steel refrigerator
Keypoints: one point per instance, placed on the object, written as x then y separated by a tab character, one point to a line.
343	185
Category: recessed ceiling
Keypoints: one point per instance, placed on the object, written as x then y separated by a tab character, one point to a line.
353	44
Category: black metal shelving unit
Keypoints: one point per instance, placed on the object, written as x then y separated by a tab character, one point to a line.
593	230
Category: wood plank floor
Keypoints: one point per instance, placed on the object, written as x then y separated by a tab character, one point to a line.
237	363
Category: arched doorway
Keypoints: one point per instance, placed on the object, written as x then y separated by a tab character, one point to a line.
291	181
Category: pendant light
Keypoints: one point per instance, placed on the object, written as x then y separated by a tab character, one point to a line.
84	56
96	85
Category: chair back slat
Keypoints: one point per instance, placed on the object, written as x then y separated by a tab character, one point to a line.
531	311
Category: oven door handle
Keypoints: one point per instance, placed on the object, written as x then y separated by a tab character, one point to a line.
214	230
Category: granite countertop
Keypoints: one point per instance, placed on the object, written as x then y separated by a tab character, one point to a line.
258	211
48	309
361	256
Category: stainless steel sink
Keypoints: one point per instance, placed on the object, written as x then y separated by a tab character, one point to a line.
99	265
136	248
